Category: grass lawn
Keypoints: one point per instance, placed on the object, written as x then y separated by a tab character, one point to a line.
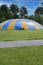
10	35
32	55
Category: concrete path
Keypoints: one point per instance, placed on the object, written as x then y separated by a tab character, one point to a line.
21	43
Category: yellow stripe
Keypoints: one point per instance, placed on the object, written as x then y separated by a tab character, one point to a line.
35	25
0	26
11	25
24	24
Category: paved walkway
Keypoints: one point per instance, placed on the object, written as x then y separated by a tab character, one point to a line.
21	43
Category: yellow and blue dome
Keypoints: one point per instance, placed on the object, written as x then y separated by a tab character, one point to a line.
18	24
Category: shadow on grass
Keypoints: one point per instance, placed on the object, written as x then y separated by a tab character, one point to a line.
8	40
26	39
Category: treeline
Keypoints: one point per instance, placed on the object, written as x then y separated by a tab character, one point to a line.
38	14
13	11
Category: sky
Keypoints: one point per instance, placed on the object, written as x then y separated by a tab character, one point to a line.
31	5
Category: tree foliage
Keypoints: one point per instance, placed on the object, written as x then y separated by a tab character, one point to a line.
4	8
13	11
39	11
23	12
42	3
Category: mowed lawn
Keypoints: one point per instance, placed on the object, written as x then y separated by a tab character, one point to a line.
11	35
32	55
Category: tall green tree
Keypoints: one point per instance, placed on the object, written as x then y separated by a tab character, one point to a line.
39	11
1	13
4	8
14	9
23	12
42	3
2	18
39	14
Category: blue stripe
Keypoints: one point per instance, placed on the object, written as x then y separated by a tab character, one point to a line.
18	25
31	27
5	26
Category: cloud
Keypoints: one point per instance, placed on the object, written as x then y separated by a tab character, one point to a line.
31	5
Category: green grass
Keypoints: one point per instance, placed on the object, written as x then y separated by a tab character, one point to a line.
32	55
10	35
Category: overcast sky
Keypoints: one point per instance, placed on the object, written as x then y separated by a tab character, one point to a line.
31	5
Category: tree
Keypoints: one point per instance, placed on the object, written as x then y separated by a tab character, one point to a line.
39	14
42	3
1	13
8	16
14	9
23	12
15	16
39	11
4	8
2	19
